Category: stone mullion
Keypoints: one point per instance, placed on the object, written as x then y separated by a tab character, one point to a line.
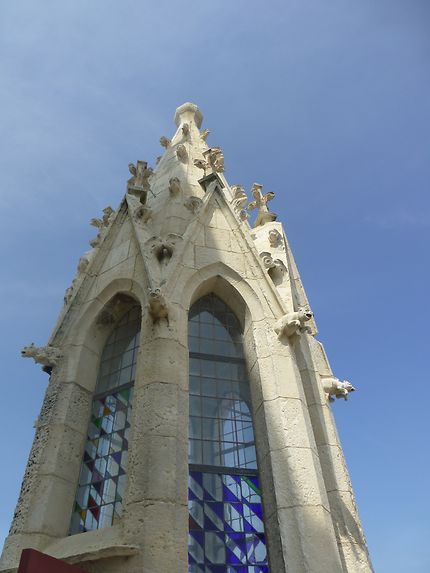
156	509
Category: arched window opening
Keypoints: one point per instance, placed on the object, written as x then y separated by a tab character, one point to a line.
102	478
226	530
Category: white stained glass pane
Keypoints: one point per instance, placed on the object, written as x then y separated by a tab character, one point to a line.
106	515
195	427
209	429
194	451
197	552
195	406
212	483
211	453
209	387
210	407
214	547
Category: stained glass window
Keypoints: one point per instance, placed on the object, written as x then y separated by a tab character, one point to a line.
102	479
226	530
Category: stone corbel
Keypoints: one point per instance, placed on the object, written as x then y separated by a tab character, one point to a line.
292	322
142	214
182	153
335	388
186	130
165	142
239	202
193	204
275	238
47	356
163	247
157	306
174	186
275	267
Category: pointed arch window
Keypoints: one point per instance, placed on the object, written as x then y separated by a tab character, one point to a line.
102	478
226	530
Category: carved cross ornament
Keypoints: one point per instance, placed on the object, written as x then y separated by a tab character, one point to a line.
260	203
138	184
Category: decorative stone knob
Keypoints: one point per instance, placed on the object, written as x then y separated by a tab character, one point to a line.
188	112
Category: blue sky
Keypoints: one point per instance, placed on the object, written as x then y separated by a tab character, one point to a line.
325	103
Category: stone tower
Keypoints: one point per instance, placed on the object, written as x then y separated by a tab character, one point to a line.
187	424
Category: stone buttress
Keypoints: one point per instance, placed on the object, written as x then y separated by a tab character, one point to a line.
181	232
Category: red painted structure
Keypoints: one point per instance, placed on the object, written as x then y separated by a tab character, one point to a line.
33	561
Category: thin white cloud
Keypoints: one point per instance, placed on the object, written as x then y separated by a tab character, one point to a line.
399	219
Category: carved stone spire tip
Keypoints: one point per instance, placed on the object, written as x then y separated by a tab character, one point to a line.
188	112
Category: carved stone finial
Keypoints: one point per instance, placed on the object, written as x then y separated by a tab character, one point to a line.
334	388
215	158
188	112
174	186
164	141
101	224
157	306
260	203
204	134
239	201
291	322
47	356
193	204
182	153
275	238
138	184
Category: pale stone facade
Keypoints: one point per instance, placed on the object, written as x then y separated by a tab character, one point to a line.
181	232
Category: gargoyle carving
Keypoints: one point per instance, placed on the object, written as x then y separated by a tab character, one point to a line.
193	204
165	142
204	134
101	224
174	186
138	184
260	203
47	356
239	202
291	322
201	164
182	153
215	159
334	388
275	238
157	306
142	214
